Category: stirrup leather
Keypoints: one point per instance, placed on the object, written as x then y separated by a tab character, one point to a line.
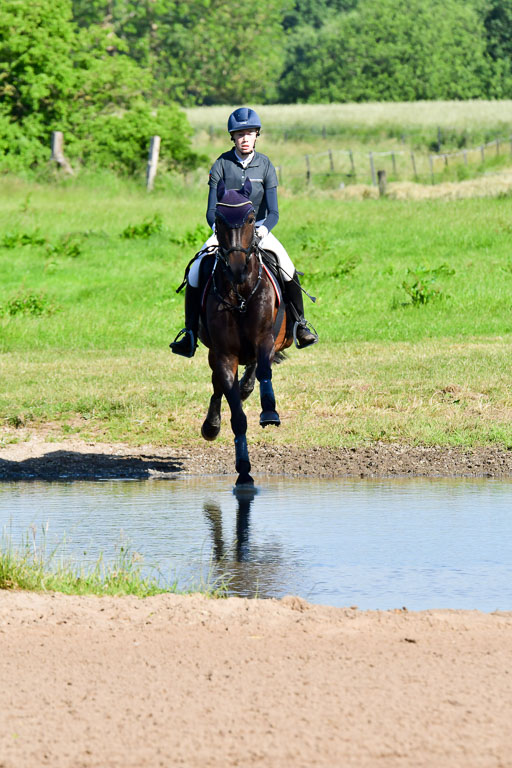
302	323
179	347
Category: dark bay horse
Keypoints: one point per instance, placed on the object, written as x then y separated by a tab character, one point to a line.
238	323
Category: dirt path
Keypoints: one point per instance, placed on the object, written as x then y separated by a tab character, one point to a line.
177	681
74	459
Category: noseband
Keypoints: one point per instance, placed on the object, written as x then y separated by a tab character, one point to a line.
225	252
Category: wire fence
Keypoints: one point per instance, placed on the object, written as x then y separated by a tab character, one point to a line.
338	167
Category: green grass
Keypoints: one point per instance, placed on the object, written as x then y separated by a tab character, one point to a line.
87	352
31	567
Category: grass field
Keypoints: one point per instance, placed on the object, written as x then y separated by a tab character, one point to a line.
414	315
461	115
327	132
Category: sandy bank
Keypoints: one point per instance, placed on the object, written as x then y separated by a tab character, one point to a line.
195	682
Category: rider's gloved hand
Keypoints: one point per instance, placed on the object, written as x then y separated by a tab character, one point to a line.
262	231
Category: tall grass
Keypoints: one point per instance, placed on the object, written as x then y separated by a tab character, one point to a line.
461	115
32	567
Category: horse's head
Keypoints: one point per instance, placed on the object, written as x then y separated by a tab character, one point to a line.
234	224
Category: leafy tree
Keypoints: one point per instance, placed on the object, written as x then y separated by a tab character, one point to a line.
84	84
36	77
199	51
315	13
497	20
390	50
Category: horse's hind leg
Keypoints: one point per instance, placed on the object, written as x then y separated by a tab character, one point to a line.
211	425
247	381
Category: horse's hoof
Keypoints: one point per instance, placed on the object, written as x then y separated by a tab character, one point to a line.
244	481
209	431
268	418
245	490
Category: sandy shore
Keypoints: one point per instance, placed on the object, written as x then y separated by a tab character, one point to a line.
187	681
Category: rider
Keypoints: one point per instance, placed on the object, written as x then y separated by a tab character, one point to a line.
233	168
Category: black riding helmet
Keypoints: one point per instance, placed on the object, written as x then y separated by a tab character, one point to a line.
243	117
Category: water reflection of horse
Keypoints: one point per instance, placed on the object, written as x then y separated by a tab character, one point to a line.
252	568
243	323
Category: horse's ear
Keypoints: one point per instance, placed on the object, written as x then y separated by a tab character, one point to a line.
247	189
221	189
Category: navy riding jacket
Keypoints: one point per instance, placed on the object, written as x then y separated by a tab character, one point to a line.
263	178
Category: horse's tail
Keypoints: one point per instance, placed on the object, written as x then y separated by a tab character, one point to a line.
280	357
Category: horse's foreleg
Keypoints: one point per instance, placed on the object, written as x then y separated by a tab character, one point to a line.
211	425
269	415
227	372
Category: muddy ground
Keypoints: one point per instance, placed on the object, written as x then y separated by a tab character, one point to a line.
75	459
89	682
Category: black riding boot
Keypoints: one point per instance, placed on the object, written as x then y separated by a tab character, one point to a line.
303	335
185	342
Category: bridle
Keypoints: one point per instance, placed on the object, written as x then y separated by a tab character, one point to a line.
222	256
224	252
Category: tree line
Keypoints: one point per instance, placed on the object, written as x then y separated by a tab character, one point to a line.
222	52
80	65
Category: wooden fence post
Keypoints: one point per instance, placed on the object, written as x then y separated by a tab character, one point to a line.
393	160
154	151
382	183
372	169
497	147
431	163
352	164
308	170
465	157
331	161
413	161
482	152
58	152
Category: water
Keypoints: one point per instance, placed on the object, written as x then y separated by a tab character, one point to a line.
372	543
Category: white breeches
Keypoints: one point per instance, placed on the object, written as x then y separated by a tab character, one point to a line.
269	243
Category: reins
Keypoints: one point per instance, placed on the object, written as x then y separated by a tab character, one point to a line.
241	307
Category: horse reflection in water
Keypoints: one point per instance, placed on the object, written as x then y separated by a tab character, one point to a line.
243	563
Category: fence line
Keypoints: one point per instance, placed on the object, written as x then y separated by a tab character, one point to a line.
369	160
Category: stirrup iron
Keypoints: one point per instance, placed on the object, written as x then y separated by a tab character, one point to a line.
302	323
180	340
